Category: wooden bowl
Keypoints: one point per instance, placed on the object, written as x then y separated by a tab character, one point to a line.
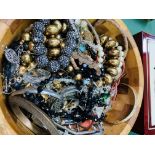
9	29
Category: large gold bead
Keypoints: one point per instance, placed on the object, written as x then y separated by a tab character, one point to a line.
58	24
114	53
64	27
26	58
110	44
103	39
78	77
22	70
70	68
54	53
26	36
53	42
112	71
52	30
31	45
113	62
107	79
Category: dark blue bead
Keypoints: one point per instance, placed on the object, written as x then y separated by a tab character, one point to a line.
54	66
67	51
39	49
42	61
71	43
64	61
45	21
38	26
37	37
71	34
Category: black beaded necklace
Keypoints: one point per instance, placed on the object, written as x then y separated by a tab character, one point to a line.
40	50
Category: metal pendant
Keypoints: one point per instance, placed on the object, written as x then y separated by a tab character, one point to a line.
11	56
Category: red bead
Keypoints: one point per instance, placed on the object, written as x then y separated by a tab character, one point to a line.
86	124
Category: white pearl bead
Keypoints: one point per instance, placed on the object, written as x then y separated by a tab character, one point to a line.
119	70
100	60
100	48
121	54
120	64
100	54
120	48
116	77
121	59
119	73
